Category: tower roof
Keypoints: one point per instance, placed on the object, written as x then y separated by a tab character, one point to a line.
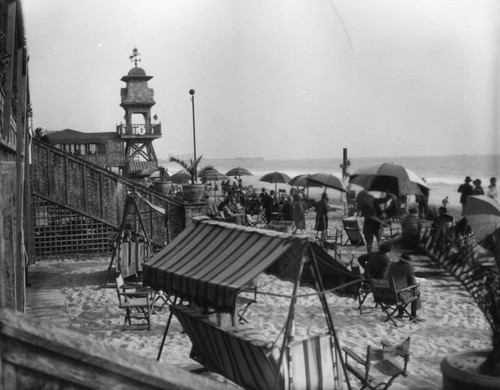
136	73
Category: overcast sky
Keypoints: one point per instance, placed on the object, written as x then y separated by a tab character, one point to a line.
276	78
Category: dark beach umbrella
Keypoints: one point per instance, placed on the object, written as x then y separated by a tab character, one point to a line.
483	215
180	177
327	180
239	171
275	177
301	181
388	177
212	175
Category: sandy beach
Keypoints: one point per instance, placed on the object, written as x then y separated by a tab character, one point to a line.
453	322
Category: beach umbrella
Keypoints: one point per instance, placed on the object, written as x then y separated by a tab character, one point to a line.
483	215
239	171
301	181
212	174
327	180
389	177
275	177
181	177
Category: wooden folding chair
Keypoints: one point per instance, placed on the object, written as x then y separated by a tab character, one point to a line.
353	232
392	299
136	303
379	368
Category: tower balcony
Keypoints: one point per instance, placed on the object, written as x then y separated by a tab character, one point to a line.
139	130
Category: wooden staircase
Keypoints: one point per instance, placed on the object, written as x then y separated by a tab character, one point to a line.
78	206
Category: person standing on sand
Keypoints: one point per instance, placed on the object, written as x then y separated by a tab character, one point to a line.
492	191
298	212
322	216
465	190
477	190
372	212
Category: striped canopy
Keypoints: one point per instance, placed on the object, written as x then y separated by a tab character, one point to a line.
210	262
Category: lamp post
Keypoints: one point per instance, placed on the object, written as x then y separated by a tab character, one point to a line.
191	92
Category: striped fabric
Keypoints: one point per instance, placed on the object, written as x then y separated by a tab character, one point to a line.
248	361
210	261
313	364
245	361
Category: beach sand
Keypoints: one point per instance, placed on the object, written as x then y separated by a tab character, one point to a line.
453	323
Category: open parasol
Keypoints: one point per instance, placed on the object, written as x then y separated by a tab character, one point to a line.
389	177
483	215
327	180
239	171
181	177
212	175
275	177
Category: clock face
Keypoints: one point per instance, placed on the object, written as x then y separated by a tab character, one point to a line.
141	130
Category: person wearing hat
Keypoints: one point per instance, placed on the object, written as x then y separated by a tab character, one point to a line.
477	190
465	190
376	264
404	276
411	226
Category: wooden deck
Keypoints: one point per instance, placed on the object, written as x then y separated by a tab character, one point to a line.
44	297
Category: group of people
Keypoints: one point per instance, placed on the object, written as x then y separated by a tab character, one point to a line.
379	265
466	189
240	204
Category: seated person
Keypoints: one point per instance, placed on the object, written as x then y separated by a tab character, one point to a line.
403	274
231	210
211	207
376	264
411	226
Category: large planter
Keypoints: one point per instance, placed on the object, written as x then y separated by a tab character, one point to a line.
461	372
163	187
193	192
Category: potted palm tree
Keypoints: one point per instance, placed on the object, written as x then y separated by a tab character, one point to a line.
459	257
194	191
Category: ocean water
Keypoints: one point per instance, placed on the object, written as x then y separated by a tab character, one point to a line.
443	174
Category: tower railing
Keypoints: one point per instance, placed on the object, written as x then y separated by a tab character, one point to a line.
139	129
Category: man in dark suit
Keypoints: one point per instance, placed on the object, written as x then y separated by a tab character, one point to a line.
376	264
403	274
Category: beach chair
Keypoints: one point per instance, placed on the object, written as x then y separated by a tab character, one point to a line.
392	299
379	368
243	302
243	356
136	303
364	288
354	236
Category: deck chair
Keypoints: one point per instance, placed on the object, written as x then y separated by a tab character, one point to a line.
243	302
364	288
136	303
380	367
392	299
242	355
354	236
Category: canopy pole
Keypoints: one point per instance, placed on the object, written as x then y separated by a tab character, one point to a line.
166	331
290	327
326	310
119	240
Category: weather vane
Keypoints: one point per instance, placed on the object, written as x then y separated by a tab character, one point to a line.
135	56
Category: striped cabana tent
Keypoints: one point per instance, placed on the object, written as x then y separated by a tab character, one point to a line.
211	262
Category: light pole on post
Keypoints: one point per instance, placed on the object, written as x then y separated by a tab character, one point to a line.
191	92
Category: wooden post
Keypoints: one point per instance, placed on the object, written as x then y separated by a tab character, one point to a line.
20	179
345	176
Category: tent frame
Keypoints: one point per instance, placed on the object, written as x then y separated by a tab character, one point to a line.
308	258
129	208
